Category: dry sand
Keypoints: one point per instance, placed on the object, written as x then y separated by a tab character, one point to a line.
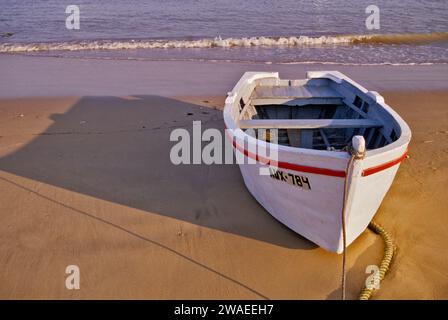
88	181
85	179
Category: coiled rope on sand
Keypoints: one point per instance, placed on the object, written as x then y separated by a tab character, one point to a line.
388	255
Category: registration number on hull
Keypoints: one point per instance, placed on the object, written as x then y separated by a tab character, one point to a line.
292	179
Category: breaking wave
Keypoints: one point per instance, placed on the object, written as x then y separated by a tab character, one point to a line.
293	41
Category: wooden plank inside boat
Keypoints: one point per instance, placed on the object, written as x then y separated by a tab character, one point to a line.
308	123
293	101
295	92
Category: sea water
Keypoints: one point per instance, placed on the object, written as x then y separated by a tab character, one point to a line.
282	31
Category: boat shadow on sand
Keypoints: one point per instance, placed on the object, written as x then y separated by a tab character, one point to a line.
118	149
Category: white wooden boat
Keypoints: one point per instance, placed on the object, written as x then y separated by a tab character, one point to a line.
318	119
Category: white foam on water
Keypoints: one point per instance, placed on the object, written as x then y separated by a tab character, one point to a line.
299	49
218	42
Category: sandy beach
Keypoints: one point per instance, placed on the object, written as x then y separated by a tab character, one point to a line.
86	179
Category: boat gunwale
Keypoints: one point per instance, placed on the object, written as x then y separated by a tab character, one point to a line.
389	153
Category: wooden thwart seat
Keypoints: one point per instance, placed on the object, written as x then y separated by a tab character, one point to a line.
295	92
292	101
308	123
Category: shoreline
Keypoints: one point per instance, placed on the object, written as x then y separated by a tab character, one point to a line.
28	76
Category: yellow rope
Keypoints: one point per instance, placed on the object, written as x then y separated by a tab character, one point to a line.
389	250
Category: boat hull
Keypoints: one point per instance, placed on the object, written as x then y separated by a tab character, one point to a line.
314	208
304	188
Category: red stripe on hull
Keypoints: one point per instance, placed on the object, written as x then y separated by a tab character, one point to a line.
315	170
384	166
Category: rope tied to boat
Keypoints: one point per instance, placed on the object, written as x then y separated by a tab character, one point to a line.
357	152
353	156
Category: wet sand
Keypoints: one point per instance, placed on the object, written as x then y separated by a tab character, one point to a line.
87	181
